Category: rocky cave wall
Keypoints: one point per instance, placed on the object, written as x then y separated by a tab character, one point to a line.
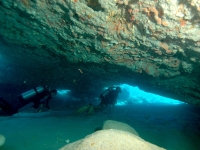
152	44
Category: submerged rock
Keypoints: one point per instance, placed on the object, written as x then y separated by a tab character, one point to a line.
111	140
2	140
111	124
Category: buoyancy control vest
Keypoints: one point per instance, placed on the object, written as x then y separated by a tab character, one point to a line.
106	92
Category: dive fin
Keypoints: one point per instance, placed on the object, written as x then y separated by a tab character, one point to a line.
90	111
81	110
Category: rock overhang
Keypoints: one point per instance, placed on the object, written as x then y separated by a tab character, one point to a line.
84	44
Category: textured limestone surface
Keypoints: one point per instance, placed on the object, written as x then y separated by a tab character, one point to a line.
85	45
111	140
112	124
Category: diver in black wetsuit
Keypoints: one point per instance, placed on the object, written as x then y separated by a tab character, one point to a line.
35	95
108	97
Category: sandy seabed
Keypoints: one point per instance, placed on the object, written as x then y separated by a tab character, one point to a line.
174	127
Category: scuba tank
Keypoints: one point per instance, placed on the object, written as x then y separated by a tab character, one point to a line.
106	92
30	94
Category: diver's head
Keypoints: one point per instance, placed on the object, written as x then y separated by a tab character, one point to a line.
118	89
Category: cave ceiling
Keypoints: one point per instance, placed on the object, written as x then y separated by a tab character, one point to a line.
84	45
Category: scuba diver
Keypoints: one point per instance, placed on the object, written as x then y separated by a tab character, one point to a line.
35	95
108	97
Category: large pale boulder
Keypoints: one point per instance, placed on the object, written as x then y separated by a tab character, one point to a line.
111	140
111	124
2	140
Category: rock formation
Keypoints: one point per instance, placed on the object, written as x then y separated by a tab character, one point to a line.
85	45
111	140
111	124
2	140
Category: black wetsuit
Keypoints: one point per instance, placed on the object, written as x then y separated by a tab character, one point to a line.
37	99
12	108
7	108
110	98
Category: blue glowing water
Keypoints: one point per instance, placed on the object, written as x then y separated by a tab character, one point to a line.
136	96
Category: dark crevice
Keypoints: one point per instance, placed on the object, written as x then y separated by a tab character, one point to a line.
94	4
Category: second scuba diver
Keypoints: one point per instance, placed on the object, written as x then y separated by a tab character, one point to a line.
108	97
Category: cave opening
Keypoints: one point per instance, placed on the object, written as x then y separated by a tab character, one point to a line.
134	95
130	96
